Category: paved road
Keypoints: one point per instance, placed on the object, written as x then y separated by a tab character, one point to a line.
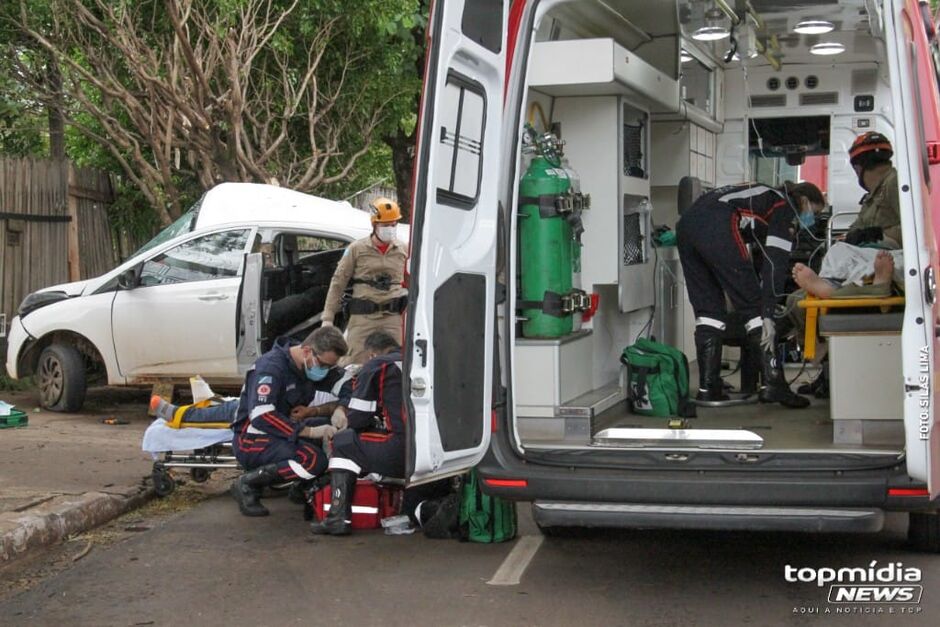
209	566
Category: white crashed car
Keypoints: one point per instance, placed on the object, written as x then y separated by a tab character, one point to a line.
177	307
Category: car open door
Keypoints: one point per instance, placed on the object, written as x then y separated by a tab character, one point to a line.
908	60
249	325
448	359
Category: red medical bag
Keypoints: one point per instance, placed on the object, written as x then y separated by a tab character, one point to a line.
371	503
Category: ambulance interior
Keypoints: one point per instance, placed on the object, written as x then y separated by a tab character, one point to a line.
655	103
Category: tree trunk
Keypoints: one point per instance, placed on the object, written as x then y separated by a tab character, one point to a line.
403	150
54	110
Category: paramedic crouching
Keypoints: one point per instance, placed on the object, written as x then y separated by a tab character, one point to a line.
713	236
374	441
267	443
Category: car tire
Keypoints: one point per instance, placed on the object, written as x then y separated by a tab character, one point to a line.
923	531
60	376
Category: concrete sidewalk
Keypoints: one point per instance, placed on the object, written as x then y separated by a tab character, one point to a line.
66	473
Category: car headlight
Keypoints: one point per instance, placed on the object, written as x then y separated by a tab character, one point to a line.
39	299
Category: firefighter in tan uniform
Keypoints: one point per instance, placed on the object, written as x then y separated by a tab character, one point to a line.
374	266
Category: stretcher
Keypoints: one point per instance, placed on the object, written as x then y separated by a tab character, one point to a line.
816	307
200	447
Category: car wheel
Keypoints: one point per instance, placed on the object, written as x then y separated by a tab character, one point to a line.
61	378
923	531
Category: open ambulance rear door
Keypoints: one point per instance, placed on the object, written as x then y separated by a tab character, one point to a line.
916	113
450	321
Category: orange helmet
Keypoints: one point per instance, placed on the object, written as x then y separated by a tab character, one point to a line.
384	210
870	147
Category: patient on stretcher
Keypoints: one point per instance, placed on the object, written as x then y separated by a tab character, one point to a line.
852	272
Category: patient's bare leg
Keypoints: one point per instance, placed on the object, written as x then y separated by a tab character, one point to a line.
884	268
812	282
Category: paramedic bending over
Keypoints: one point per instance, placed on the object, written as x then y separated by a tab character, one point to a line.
713	235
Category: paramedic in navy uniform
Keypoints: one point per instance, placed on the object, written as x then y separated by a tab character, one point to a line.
713	235
268	444
375	438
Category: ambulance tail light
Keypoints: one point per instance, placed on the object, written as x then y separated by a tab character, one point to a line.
506	483
908	492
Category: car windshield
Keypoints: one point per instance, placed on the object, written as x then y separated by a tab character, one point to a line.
183	224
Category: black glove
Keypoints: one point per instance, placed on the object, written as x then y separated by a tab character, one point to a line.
857	237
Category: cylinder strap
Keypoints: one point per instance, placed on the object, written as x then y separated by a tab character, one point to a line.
558	305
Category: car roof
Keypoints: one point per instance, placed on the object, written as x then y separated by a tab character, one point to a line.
228	203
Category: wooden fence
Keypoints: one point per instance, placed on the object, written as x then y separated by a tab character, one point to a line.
53	227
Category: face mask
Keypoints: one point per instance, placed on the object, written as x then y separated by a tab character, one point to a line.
316	372
385	233
808	219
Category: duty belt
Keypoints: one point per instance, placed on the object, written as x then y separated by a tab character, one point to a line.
361	306
558	305
382	282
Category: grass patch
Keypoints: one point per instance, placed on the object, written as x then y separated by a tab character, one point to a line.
14	385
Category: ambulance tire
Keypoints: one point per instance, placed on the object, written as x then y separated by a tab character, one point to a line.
923	531
60	376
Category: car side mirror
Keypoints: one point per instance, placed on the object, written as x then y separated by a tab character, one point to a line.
129	279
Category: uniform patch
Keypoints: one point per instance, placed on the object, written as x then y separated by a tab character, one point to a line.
264	389
266	379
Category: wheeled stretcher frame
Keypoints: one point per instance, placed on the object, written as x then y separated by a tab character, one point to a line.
201	462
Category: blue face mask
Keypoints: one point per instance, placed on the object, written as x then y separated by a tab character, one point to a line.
808	219
317	372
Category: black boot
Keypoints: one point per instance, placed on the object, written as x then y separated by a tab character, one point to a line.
775	388
338	521
708	353
751	362
246	490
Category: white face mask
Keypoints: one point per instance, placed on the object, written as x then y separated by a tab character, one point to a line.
385	233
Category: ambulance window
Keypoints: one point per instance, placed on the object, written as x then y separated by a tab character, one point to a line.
460	142
482	22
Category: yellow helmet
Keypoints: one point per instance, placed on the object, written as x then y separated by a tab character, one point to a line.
385	210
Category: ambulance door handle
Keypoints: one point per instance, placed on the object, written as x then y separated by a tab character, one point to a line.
215	296
422	347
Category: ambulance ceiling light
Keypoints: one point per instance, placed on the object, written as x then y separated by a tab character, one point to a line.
827	48
814	27
714	28
684	56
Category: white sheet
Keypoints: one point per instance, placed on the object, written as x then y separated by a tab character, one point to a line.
851	264
159	438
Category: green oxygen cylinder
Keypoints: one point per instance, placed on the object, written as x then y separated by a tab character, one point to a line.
546	243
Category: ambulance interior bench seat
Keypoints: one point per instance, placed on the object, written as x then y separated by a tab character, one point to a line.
866	387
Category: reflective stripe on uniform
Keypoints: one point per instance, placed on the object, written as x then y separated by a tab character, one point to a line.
259	410
757	190
710	322
779	242
254	431
299	470
341	463
360	404
753	323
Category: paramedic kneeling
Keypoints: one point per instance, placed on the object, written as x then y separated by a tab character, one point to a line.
375	267
267	443
713	237
375	439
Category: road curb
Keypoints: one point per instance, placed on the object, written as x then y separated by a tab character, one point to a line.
62	516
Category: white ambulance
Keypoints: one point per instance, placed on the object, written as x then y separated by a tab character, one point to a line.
652	98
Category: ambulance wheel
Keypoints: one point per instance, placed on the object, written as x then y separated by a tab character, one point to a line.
61	378
923	531
199	475
163	483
